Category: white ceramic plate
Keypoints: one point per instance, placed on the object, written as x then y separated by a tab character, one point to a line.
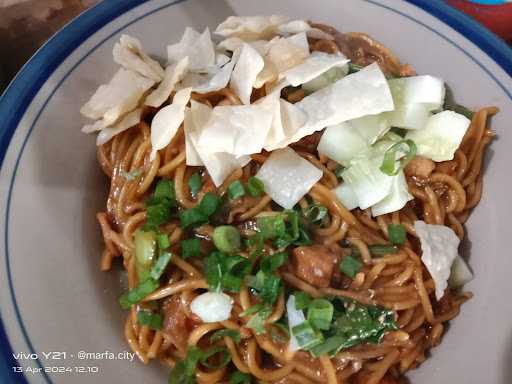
53	297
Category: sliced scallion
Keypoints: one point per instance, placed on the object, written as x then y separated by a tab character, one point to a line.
236	190
190	248
152	320
195	183
227	238
320	312
388	165
159	267
397	234
350	266
306	335
255	186
138	293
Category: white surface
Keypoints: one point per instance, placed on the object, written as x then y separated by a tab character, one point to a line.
54	242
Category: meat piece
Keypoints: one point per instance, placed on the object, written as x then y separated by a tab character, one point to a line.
176	323
420	167
314	264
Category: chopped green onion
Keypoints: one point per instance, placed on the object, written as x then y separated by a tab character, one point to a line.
388	166
165	188
138	293
236	189
152	320
184	371
163	241
145	252
350	266
225	357
270	289
281	334
235	335
195	183
251	310
209	203
239	378
315	213
227	238
226	272
338	172
190	248
271	227
192	217
320	312
331	344
302	300
352	68
158	206
159	268
306	336
270	263
255	186
397	234
257	321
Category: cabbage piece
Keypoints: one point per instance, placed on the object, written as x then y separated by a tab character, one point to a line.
371	127
166	122
295	317
121	95
298	26
439	246
212	307
396	199
367	181
409	116
346	196
325	79
250	28
192	158
425	89
288	177
198	47
217	81
313	66
98	125
173	75
129	54
285	53
219	165
128	121
238	129
460	273
342	143
363	93
441	136
249	64
287	120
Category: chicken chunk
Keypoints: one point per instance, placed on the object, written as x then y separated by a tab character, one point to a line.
314	264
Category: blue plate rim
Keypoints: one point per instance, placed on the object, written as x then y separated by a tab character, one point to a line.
17	96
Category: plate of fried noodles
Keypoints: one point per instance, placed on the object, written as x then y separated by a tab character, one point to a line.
235	191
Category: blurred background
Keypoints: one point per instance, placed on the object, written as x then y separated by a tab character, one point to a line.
26	24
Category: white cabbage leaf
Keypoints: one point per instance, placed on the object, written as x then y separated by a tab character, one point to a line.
198	47
346	196
287	177
342	143
128	121
120	96
298	26
427	90
441	136
396	199
249	64
409	116
166	122
250	28
129	54
439	249
313	66
173	75
295	317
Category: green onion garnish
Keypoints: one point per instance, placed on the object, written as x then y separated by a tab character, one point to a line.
226	272
270	289
271	227
224	359
163	241
227	238
350	266
216	336
251	310
158	206
338	171
239	378
306	336
331	344
138	293
209	203
192	217
145	252
320	312
397	234
302	300
270	263
255	186
159	268
195	183
389	163
152	320
257	321
236	189
184	371
315	213
377	250
190	248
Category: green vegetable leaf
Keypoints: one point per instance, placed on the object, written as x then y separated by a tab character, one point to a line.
195	183
216	336
236	190
302	300
257	321
138	293
226	272
227	238
152	320
159	267
255	186
388	166
190	248
350	266
315	213
320	312
397	234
